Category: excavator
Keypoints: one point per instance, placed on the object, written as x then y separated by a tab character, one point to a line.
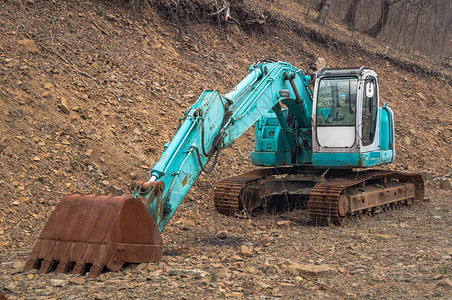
315	149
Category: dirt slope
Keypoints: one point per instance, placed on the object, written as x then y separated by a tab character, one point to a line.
90	93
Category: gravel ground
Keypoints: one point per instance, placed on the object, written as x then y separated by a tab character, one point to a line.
89	94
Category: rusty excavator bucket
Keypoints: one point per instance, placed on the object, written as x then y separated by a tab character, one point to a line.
87	233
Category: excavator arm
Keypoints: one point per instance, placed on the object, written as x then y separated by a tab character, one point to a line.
215	122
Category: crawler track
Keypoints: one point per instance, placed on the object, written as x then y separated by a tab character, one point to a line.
331	196
374	191
227	193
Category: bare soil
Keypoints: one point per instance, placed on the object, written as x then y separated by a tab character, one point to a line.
90	91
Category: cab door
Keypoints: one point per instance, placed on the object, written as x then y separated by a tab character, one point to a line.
369	129
336	112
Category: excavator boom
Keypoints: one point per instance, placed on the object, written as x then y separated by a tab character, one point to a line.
215	122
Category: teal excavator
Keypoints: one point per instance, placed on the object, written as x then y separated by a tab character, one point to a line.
315	148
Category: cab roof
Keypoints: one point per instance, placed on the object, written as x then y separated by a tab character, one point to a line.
341	71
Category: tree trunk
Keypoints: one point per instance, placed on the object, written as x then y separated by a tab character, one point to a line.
319	6
376	29
350	16
324	9
416	23
400	23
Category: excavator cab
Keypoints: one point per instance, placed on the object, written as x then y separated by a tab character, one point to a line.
349	128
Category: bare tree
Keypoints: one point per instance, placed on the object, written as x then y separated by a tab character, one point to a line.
420	10
417	25
378	27
324	10
350	16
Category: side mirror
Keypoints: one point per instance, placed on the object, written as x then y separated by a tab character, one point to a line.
370	89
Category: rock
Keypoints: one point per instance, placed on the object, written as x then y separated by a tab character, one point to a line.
114	190
245	250
250	270
407	140
44	155
284	224
421	96
437	276
63	276
236	258
189	94
16	203
36	158
12	288
152	267
111	17
119	85
321	63
384	236
224	274
58	282
77	280
136	131
29	45
189	197
189	272
105	276
141	267
47	85
446	184
89	152
186	224
235	295
313	270
445	283
24	199
446	257
222	234
298	279
63	106
7	264
82	113
19	264
3	244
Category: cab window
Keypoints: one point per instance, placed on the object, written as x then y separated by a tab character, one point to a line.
370	110
336	101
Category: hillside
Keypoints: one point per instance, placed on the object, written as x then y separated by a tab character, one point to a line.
90	91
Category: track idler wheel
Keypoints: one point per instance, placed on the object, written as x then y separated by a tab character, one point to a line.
93	232
342	205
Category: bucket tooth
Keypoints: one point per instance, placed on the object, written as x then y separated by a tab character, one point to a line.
79	268
98	265
46	266
94	271
97	230
32	263
62	267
